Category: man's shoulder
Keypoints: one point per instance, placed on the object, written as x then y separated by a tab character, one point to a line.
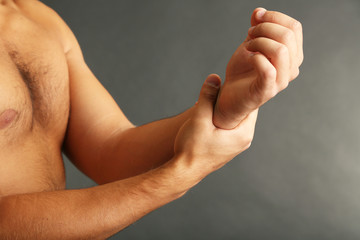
49	19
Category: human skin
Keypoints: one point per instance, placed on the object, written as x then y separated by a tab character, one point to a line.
43	73
261	67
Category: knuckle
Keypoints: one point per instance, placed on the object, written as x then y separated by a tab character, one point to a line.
210	94
287	37
301	58
209	91
295	73
283	84
269	73
281	51
296	25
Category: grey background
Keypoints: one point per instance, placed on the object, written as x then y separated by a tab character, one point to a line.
301	177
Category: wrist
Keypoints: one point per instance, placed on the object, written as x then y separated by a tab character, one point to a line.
183	173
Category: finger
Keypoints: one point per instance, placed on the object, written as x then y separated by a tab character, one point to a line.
260	15
275	32
280	34
277	54
208	96
254	17
265	87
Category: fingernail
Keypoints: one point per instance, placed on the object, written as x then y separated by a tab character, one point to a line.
249	42
213	81
260	13
251	30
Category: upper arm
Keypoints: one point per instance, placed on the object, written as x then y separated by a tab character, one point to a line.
94	115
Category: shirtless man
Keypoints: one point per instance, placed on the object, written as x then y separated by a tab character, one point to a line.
51	102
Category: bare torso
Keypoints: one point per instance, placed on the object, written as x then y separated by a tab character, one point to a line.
34	102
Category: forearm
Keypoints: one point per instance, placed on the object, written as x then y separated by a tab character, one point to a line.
137	150
94	213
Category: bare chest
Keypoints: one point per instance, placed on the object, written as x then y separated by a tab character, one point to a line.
35	76
34	91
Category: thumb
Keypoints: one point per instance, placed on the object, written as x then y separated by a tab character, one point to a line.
208	95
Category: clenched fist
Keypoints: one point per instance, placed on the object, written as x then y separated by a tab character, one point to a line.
262	66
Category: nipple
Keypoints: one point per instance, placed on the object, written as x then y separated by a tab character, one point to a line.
7	117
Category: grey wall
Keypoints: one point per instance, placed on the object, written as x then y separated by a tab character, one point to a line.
301	177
